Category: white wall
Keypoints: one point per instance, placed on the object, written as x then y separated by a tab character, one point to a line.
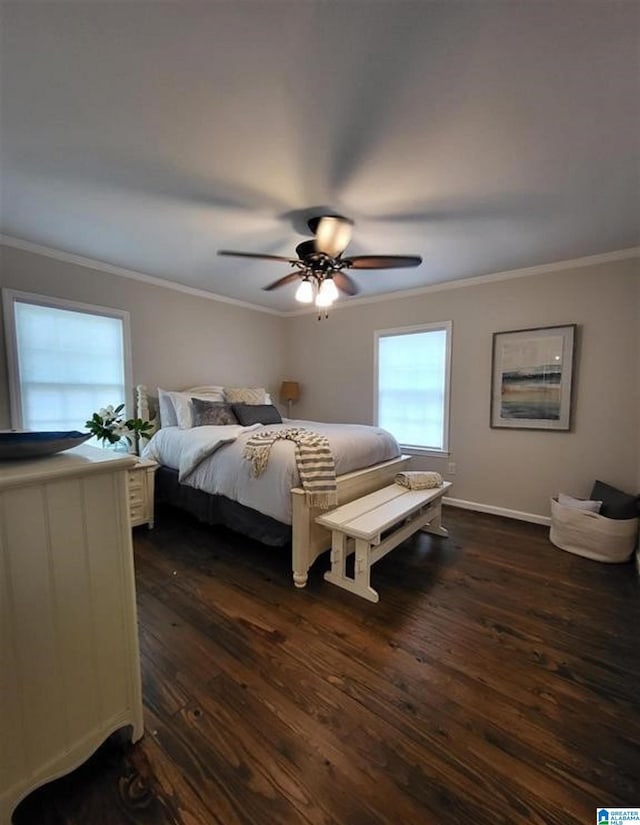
178	340
513	469
638	374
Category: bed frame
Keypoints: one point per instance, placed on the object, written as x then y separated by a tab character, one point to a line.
309	540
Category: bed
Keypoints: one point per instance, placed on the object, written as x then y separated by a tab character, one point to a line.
220	489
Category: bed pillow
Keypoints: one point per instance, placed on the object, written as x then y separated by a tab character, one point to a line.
180	403
615	503
182	406
248	414
245	395
211	393
166	409
175	407
579	503
211	413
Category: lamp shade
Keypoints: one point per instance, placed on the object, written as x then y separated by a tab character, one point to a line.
304	292
289	391
325	296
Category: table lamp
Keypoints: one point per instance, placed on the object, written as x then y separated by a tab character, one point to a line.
289	391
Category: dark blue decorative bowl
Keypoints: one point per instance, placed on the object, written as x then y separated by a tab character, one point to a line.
33	444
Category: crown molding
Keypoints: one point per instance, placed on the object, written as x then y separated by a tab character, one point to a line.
478	280
101	266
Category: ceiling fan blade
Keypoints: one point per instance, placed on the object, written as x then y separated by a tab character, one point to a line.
333	234
383	261
258	255
345	283
287	279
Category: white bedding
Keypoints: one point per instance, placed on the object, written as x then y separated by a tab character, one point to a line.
227	473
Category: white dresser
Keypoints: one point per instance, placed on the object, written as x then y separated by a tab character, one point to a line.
69	664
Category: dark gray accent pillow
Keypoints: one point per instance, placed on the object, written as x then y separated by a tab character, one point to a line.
248	414
615	503
211	413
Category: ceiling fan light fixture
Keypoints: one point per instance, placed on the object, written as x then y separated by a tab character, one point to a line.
320	265
305	291
333	235
329	288
322	302
327	293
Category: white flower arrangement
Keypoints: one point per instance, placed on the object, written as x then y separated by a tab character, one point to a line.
109	425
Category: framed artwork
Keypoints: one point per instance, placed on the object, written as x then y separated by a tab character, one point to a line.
532	374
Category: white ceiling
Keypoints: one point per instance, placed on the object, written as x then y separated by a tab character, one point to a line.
484	136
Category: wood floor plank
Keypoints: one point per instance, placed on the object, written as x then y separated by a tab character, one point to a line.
315	713
496	682
207	589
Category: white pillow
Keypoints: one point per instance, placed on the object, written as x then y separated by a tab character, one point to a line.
579	503
245	395
175	407
182	405
166	409
208	393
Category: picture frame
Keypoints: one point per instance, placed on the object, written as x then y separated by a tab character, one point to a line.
532	378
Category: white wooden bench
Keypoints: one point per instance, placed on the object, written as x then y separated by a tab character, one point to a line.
363	521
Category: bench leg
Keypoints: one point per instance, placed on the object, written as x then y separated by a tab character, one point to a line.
363	572
337	575
435	525
338	558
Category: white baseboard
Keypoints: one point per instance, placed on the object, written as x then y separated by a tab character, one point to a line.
534	518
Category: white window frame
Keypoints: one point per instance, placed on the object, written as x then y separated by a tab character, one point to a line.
447	326
12	296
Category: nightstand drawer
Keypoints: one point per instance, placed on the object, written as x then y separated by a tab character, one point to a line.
140	489
137	514
136	480
136	496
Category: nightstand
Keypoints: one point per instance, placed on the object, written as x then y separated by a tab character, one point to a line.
141	488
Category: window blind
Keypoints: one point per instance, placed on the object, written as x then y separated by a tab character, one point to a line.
413	387
70	364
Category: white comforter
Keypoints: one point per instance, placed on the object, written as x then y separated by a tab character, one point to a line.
209	460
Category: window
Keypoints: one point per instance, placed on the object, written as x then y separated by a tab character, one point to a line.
66	360
412	384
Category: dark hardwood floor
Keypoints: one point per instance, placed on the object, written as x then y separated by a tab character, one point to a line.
497	681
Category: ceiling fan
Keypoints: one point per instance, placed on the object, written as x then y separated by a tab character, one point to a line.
320	266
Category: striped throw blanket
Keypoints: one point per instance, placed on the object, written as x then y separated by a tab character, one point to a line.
316	467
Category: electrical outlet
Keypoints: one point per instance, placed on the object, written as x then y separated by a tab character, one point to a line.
452	468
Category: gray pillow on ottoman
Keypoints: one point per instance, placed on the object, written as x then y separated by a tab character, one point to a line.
615	503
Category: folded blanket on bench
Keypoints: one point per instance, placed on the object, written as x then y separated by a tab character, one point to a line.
419	480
